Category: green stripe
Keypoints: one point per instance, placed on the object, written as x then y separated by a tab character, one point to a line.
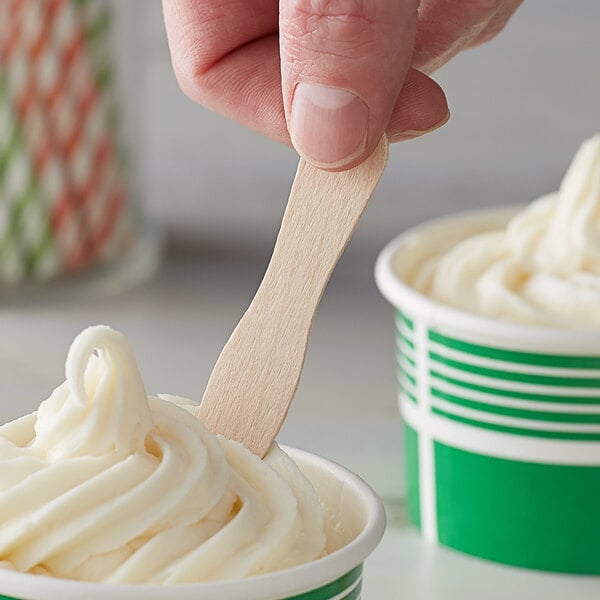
41	249
522	413
409	377
17	210
15	222
528	358
325	593
406	392
528	514
334	588
516	394
8	151
98	41
99	27
34	250
408	322
408	359
354	594
104	76
516	377
314	595
558	435
11	237
411	475
406	340
3	83
410	396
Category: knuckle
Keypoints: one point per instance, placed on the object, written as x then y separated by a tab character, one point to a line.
189	74
193	51
190	85
329	26
330	8
338	18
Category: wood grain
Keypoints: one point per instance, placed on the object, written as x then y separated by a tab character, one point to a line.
255	378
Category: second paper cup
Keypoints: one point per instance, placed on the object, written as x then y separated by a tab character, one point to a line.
501	421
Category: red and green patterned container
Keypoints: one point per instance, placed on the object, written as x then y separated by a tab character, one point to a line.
501	421
337	576
64	203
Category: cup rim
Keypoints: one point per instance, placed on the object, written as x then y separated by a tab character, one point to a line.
279	584
402	295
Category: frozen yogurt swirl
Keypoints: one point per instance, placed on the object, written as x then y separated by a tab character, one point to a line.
106	484
543	269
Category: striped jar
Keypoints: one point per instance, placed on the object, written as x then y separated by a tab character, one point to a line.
501	421
337	576
67	211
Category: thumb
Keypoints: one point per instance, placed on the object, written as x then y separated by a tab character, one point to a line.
343	63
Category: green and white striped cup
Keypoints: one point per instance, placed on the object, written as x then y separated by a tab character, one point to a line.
337	576
501	421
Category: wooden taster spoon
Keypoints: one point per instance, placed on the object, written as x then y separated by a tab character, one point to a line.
256	376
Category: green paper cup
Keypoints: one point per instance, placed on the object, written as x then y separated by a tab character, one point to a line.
502	421
337	576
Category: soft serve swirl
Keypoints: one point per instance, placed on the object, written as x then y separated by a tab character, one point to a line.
106	484
544	269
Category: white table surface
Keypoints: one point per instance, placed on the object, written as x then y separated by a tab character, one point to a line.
345	407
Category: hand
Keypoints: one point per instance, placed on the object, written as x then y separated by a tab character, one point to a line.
347	71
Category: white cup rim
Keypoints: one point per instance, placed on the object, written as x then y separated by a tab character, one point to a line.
402	295
279	584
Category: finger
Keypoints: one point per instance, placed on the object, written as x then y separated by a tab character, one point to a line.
343	64
241	78
201	33
420	108
249	83
446	27
245	86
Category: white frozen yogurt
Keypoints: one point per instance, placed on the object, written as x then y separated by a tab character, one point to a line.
543	269
106	484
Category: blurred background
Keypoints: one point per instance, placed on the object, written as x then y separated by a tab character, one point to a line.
520	107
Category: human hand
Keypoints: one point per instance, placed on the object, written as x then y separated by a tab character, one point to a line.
345	75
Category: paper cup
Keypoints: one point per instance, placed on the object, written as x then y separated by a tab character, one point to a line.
502	421
337	576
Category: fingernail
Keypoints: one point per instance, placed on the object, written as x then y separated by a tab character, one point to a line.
409	134
328	126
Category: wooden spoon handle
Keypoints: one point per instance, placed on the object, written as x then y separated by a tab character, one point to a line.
255	378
